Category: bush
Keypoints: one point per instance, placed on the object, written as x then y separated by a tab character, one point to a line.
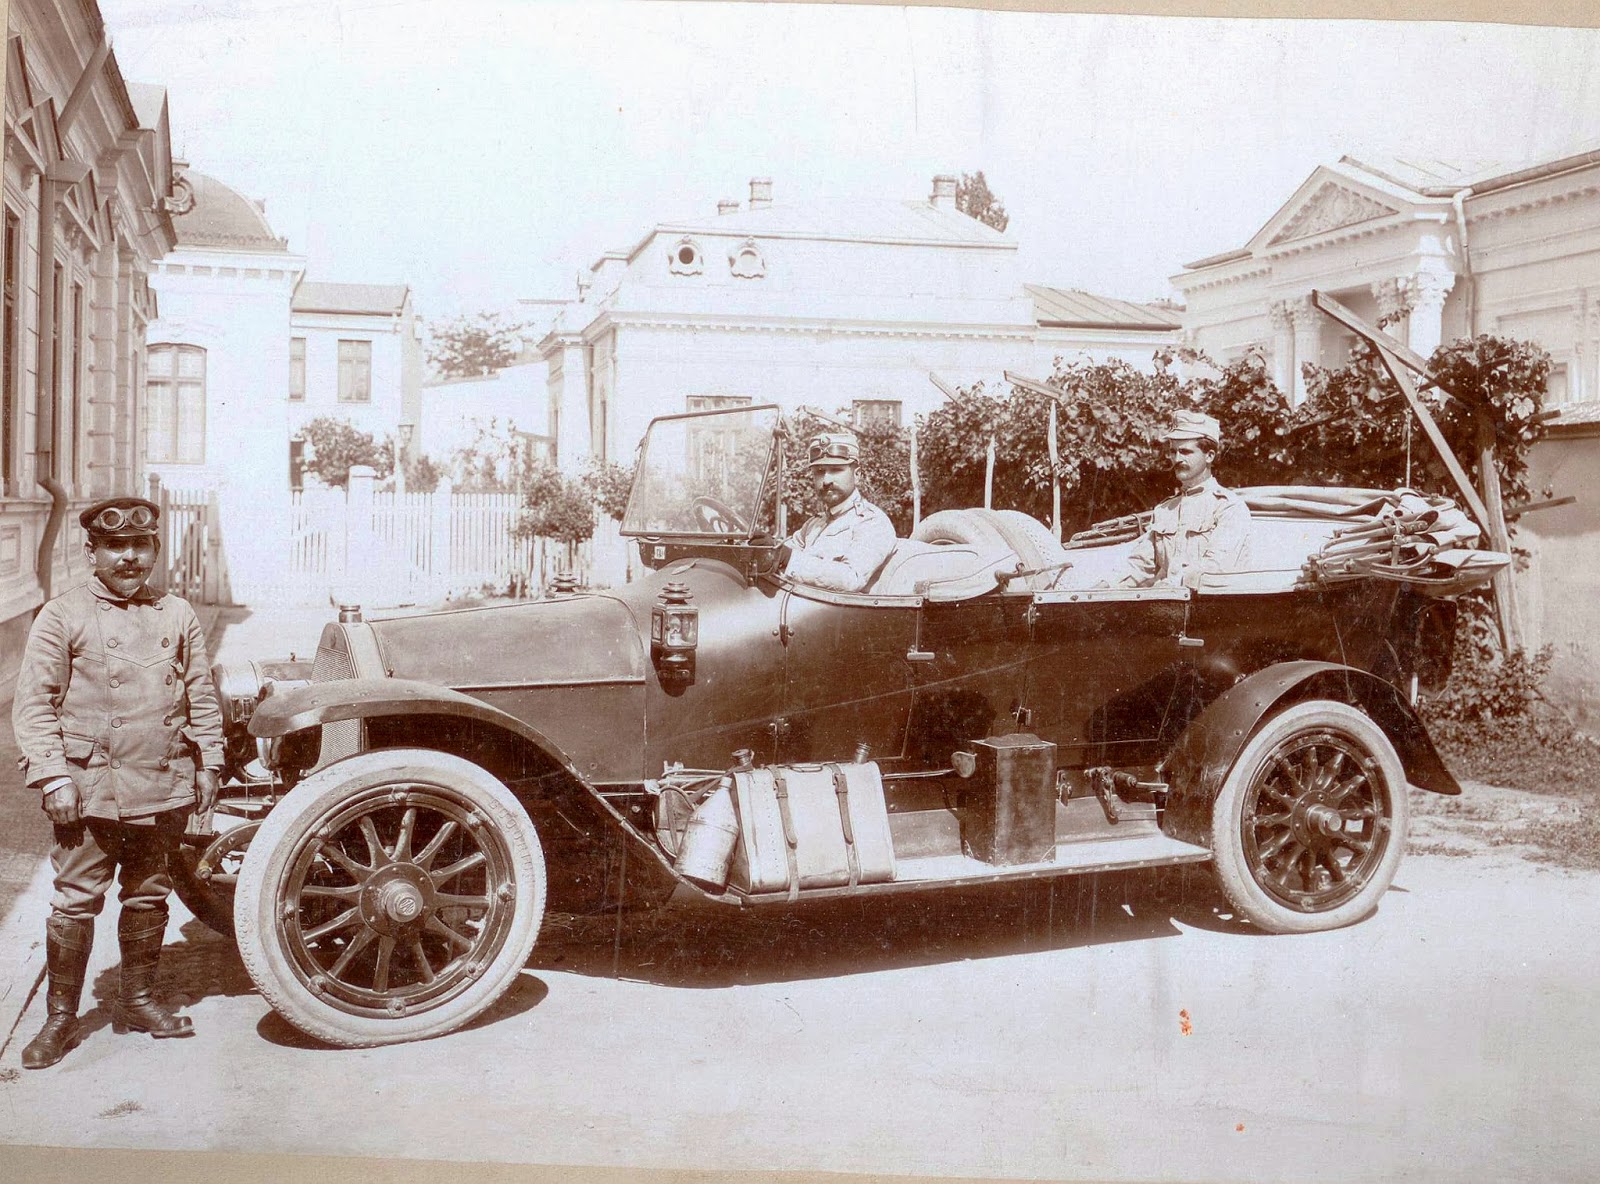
608	485
554	507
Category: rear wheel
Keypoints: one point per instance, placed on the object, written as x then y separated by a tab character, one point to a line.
390	897
1310	825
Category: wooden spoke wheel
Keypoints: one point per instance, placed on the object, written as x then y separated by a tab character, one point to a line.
1310	824
393	896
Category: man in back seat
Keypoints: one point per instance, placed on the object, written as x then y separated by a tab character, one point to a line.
843	547
1203	529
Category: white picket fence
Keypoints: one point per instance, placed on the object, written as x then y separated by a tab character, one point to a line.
379	549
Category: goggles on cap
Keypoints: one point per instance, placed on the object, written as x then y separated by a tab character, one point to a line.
115	518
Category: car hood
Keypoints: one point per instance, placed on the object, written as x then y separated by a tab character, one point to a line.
571	640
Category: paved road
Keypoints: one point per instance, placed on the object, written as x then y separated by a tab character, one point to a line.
1126	1032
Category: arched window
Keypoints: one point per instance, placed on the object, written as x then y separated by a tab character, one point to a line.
175	386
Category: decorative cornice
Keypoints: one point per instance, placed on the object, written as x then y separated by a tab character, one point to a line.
607	322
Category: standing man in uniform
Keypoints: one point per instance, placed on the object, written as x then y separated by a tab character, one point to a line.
1204	528
843	547
121	736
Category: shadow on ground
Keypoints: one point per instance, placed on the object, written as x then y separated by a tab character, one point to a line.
715	946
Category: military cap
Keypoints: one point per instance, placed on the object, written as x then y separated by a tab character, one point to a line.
122	517
1194	425
834	448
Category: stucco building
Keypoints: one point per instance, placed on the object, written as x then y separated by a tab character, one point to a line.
1452	251
245	351
827	304
88	203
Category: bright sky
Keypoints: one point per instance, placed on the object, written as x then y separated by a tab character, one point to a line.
483	152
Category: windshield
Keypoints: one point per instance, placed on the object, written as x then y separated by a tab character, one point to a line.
703	474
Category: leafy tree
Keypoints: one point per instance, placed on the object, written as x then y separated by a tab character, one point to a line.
334	445
609	484
496	461
974	199
470	346
554	507
422	474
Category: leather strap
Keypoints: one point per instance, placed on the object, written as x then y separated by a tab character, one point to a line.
841	787
780	790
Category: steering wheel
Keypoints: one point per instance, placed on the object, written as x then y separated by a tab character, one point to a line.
716	517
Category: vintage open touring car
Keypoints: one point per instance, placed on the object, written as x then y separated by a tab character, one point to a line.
405	805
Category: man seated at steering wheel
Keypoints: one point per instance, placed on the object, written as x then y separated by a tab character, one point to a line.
843	547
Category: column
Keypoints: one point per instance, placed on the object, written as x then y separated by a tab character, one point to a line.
1392	307
1307	344
1279	311
1587	386
1427	291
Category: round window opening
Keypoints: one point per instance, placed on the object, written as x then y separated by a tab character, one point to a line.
686	254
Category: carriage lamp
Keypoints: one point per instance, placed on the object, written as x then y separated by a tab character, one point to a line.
674	630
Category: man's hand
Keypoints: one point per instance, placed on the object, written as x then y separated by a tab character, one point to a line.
205	790
62	803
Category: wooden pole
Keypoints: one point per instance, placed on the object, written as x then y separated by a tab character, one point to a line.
988	477
916	483
1505	589
1055	476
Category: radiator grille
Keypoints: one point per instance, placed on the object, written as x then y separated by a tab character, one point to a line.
332	664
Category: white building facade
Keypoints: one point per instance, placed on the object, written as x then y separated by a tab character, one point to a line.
1451	252
831	305
87	196
246	351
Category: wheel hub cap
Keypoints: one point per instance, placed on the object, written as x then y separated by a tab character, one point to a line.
396	898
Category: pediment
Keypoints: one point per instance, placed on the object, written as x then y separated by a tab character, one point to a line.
1330	206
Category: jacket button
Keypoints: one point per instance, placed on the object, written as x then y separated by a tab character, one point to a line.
116	764
169	681
165	762
112	643
164	641
166	721
116	723
115	683
104	607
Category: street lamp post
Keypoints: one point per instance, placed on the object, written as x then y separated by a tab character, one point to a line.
401	448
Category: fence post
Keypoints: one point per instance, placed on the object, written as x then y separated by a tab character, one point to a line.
360	543
439	569
161	578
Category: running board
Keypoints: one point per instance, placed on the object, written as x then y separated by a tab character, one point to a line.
1072	858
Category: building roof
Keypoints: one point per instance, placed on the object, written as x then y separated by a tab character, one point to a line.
1583	419
386	299
1437	178
848	219
224	217
147	102
1069	308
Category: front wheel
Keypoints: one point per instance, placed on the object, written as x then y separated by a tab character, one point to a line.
390	897
1310	825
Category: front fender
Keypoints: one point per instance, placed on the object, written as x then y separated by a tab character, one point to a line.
1197	766
360	698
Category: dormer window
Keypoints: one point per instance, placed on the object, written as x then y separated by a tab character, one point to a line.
685	258
746	261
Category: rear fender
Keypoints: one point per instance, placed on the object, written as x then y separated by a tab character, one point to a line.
1199	763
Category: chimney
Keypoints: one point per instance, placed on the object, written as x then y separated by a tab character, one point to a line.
760	192
944	192
727	206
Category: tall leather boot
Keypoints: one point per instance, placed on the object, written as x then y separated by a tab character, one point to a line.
67	942
141	933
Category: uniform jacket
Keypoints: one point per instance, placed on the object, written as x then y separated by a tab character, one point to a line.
841	549
1200	531
117	695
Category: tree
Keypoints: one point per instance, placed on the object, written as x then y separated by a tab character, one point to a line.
554	507
496	461
974	199
471	346
335	445
609	484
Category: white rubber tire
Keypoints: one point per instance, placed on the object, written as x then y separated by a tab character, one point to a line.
1233	867
269	863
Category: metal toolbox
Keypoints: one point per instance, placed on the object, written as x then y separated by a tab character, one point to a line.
1008	806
